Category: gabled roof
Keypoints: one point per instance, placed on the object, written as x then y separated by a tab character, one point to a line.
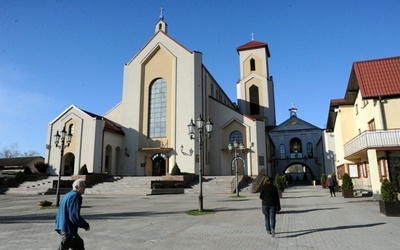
254	45
294	123
160	32
109	126
378	78
18	161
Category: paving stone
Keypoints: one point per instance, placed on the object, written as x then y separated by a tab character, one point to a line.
310	219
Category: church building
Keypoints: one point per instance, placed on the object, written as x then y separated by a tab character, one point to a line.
298	149
166	87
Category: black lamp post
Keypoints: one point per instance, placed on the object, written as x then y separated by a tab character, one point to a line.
203	135
235	147
65	137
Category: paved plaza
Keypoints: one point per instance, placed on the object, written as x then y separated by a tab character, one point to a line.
310	219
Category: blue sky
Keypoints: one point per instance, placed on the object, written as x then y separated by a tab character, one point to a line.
57	53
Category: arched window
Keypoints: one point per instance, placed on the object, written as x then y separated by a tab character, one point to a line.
252	64
254	101
236	136
310	150
282	151
296	150
157	109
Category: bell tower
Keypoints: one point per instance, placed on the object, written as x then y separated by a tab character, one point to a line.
255	88
161	24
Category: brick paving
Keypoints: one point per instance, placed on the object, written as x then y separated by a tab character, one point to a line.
310	219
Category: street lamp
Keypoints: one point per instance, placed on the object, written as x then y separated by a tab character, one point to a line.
203	135
235	147
65	137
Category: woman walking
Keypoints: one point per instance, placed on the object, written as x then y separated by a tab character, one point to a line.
270	204
330	182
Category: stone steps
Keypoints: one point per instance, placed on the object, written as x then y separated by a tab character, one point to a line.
39	186
129	185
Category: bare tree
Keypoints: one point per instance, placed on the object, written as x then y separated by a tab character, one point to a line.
14	151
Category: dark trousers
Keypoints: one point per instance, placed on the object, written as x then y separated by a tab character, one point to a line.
70	242
332	190
269	217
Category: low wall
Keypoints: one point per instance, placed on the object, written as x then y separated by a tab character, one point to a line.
185	178
90	179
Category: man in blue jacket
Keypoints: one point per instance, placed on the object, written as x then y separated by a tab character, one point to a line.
69	218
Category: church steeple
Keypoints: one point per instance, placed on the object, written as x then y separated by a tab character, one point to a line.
161	25
255	89
293	111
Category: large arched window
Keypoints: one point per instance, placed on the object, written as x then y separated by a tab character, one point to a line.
282	151
158	109
236	136
310	150
254	101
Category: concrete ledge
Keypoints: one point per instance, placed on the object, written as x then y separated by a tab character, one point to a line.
158	191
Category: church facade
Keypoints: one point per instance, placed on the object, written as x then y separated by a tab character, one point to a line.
165	88
298	149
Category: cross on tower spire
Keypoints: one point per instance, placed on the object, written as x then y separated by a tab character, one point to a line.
252	36
161	13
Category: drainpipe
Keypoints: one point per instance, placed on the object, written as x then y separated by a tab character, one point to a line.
382	113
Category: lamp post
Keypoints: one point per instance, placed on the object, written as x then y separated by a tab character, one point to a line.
202	136
235	147
65	137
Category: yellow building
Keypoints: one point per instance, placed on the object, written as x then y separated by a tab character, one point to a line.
165	86
366	125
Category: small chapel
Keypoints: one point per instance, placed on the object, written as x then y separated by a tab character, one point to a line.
167	90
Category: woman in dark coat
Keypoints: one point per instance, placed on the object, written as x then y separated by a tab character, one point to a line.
270	204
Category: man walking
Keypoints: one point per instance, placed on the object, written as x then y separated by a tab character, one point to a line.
69	219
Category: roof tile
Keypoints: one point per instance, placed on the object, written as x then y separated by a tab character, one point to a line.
378	78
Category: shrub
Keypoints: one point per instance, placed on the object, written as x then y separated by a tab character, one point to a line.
347	183
278	182
28	171
41	167
323	179
21	176
175	170
83	170
388	191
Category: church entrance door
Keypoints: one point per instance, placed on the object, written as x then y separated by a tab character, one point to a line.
158	164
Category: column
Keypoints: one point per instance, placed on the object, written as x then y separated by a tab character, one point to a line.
374	171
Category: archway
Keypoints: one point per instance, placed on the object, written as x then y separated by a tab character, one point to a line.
69	164
299	173
158	164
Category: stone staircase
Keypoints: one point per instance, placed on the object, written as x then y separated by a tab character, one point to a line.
131	185
39	186
213	184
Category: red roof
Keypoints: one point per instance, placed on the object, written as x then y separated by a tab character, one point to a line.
254	45
378	78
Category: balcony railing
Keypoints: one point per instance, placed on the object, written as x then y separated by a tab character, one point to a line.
373	139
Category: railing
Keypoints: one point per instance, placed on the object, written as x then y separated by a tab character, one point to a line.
373	139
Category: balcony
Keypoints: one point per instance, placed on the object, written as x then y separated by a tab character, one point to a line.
372	139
